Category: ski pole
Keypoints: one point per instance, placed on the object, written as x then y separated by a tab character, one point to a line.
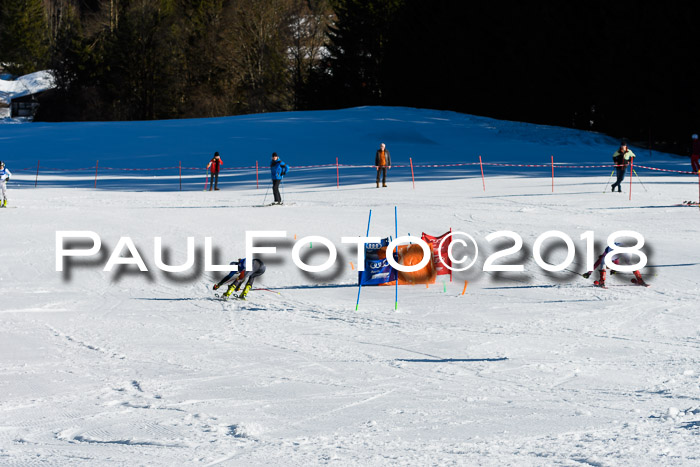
266	192
605	190
640	180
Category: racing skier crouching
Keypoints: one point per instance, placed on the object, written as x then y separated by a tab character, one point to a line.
240	276
617	258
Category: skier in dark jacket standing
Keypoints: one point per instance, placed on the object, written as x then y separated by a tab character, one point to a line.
622	158
278	169
214	166
240	276
383	162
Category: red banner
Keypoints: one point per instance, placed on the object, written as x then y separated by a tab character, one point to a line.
439	254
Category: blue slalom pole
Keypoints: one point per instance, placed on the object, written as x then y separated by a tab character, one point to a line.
396	232
359	288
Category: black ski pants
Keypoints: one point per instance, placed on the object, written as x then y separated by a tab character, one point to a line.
276	190
214	180
258	270
381	171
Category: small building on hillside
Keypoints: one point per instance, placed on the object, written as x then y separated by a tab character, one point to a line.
21	95
25	106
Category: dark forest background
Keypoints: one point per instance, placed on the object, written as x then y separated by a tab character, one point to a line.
625	68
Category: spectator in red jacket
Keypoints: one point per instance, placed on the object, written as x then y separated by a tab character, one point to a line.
695	154
214	166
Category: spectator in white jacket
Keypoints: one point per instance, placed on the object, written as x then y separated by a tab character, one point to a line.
5	175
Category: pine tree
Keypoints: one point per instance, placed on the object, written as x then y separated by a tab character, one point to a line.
359	39
24	44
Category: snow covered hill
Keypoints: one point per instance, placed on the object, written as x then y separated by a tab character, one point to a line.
529	368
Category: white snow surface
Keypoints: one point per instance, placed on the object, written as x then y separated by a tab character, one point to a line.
526	369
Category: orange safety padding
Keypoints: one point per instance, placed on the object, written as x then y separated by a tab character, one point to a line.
410	255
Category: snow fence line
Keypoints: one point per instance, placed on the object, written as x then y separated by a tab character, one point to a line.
558	165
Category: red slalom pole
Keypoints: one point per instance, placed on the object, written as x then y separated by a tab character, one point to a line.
631	175
552	173
337	173
36	180
483	181
412	177
97	164
179	165
257	185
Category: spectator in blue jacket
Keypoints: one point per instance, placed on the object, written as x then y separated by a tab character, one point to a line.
278	170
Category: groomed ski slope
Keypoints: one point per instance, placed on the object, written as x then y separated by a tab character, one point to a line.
532	368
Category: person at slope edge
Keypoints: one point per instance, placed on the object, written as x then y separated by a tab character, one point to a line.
695	154
5	175
621	158
278	170
383	162
214	166
241	276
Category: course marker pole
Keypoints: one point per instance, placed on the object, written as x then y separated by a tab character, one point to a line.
412	178
359	287
631	175
552	173
483	181
396	288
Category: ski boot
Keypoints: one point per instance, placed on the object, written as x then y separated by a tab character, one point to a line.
228	292
4	203
243	294
601	282
638	279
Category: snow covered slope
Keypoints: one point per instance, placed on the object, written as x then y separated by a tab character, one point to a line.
531	368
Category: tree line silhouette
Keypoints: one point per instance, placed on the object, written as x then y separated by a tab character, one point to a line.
624	68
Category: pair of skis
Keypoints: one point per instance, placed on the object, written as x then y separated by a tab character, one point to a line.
225	298
633	281
597	283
